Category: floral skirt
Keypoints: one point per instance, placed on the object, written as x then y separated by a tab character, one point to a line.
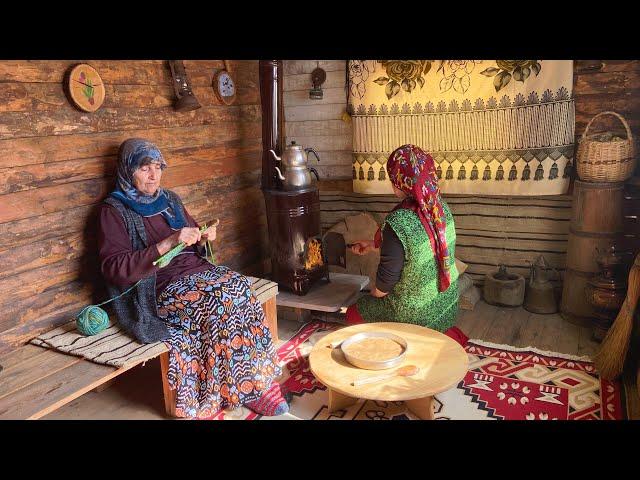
221	353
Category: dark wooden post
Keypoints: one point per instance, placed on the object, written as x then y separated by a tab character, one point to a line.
271	80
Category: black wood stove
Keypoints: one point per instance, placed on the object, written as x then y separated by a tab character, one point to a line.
293	216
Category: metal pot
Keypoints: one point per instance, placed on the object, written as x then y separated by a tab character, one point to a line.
297	174
539	295
295	178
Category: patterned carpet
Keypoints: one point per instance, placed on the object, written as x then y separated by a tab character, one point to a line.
503	383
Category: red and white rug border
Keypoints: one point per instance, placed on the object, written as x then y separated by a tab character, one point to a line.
546	353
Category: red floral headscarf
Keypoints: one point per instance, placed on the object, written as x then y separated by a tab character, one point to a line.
413	171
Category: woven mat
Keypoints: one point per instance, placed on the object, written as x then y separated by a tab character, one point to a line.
114	346
110	347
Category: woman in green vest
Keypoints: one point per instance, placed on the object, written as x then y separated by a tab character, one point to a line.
417	279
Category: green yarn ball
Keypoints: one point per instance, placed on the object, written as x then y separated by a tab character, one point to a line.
92	320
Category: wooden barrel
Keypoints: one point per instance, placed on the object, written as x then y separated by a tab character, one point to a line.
596	224
597	207
575	308
582	249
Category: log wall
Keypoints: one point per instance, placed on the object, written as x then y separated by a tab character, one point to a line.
57	164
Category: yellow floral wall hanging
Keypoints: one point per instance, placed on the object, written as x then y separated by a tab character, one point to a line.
499	127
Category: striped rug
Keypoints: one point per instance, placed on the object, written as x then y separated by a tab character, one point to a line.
113	346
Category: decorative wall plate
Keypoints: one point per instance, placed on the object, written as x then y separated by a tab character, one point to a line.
224	85
85	88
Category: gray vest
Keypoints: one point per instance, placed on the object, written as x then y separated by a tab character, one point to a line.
137	311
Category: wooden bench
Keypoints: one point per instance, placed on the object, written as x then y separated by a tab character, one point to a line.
35	380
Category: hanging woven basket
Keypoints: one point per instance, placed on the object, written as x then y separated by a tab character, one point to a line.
605	157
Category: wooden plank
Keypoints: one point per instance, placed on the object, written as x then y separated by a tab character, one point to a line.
345	185
542	330
607	82
37	280
296	67
555	238
53	391
52	225
25	265
16	357
295	98
587	66
314	112
216	158
33	369
511	244
503	327
332	158
558	335
35	150
53	71
47	97
324	142
595	103
509	212
586	344
316	128
512	256
55	305
46	252
39	201
328	172
478	271
21	205
496	223
168	394
518	322
302	81
130	72
271	317
66	120
527	333
483	316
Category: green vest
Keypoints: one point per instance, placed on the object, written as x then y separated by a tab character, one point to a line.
415	298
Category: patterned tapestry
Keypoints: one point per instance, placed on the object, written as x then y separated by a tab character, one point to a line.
494	127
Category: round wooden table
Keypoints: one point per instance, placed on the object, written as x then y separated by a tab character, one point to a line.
441	360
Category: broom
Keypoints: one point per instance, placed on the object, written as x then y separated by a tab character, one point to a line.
609	360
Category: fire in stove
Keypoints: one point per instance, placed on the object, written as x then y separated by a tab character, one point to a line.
313	254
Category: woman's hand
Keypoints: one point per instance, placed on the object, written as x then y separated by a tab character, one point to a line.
362	247
189	235
210	233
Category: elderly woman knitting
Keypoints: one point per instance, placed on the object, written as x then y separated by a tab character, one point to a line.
221	353
416	281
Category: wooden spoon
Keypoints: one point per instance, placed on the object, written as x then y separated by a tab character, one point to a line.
406	371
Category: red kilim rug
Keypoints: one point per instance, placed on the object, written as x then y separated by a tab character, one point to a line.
503	383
